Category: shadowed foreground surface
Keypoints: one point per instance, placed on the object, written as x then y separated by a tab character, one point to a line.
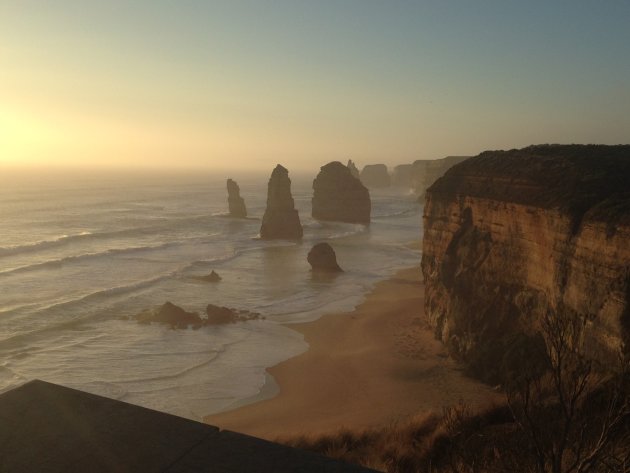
49	428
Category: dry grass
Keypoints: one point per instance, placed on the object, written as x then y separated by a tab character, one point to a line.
421	444
456	441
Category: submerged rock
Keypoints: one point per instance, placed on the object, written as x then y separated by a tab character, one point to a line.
281	220
212	277
338	196
235	201
323	258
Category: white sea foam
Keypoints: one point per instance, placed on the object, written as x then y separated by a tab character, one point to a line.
99	253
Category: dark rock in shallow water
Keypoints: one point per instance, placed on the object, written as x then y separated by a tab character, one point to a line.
178	318
172	315
212	277
235	201
322	258
375	175
353	169
281	220
338	196
218	315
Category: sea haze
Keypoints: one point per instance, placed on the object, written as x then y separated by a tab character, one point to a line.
80	253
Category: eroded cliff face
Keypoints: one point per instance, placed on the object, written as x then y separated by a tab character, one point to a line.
510	236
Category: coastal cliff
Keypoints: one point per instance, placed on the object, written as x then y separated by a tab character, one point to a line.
424	172
510	236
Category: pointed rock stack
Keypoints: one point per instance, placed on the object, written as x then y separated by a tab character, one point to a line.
235	201
353	169
340	197
281	220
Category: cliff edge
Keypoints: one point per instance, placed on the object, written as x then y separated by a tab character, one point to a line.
510	236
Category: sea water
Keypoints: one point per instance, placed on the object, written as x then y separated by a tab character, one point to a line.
80	254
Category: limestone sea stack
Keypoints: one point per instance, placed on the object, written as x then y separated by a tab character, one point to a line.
353	169
511	237
323	258
281	220
375	176
235	201
339	196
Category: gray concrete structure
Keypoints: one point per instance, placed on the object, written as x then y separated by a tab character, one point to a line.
48	428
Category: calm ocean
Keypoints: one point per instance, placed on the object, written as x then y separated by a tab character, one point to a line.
78	253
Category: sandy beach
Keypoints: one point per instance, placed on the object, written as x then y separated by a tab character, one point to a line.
373	366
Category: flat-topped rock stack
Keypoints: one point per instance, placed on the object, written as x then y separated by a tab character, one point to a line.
375	176
235	201
281	219
339	196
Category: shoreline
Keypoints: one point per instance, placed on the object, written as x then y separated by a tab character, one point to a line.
369	367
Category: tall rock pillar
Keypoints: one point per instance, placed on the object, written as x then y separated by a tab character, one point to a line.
281	220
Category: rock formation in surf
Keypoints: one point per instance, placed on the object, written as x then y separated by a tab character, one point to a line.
338	196
170	314
323	258
375	176
217	315
510	236
235	201
281	220
212	277
178	318
353	169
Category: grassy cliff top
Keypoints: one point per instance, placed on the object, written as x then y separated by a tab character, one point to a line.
581	180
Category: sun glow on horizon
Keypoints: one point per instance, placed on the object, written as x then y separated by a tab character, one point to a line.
220	85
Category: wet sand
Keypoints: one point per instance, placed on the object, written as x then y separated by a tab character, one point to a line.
373	366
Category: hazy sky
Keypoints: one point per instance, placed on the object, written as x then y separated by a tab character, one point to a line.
252	83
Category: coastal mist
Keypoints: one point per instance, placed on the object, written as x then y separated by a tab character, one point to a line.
82	253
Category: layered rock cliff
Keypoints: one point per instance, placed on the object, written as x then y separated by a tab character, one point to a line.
510	236
235	201
339	196
375	175
281	220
